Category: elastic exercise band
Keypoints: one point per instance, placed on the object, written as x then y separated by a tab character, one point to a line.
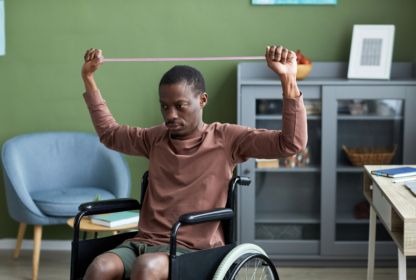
190	58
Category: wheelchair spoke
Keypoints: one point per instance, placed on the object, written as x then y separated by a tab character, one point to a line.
255	268
262	272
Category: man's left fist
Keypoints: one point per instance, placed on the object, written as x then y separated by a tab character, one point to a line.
281	61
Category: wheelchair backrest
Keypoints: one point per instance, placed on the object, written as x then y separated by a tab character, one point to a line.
228	225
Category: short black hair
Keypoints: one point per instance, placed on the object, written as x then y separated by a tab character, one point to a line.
183	73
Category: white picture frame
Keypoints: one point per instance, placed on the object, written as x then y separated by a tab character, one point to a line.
371	52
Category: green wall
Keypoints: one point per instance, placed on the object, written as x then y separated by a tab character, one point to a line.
40	76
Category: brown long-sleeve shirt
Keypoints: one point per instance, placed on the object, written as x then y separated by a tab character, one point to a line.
192	174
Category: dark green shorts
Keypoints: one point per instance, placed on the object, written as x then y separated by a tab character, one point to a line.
129	251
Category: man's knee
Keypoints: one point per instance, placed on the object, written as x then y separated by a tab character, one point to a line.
153	266
106	266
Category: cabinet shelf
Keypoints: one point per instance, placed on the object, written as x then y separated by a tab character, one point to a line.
279	117
287	218
290	169
368	118
349	169
348	218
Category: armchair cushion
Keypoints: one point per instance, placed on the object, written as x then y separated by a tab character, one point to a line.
65	201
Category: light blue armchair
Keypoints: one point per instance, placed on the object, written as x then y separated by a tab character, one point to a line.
48	175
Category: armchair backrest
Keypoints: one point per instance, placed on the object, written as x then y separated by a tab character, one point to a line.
50	160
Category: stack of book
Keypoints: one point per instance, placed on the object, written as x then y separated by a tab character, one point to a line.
116	219
313	107
267	163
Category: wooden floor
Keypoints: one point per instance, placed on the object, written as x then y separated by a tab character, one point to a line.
55	265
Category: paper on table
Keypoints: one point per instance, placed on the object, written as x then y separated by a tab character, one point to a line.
2	29
411	186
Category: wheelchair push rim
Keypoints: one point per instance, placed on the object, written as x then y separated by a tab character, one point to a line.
246	261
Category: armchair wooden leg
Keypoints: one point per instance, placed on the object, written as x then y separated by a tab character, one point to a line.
20	235
36	251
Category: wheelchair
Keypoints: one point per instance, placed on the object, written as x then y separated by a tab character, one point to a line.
246	261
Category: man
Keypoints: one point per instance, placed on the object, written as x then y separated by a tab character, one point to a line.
190	162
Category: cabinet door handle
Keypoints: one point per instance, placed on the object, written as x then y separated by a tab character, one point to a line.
245	172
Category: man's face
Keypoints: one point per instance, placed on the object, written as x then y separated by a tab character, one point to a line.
181	108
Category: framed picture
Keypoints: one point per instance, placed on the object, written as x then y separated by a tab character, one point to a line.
294	2
371	52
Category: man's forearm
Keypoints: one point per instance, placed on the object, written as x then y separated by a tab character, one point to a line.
289	86
89	83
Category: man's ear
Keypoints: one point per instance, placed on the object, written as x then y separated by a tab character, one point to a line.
203	99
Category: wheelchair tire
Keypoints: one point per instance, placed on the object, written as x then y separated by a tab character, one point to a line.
241	256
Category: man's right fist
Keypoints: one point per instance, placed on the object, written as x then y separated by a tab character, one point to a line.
93	59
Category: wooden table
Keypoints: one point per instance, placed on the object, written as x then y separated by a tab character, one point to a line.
86	226
395	205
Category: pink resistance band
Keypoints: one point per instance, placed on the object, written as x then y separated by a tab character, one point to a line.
190	58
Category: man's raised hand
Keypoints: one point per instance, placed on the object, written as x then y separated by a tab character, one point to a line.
281	61
93	59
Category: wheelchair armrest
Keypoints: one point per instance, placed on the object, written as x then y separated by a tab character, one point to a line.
213	215
109	206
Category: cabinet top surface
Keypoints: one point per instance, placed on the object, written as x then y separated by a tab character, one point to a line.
401	198
325	73
332	81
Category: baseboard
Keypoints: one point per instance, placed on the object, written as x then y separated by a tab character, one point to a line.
46	245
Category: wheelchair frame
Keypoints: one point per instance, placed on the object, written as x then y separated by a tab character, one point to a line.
200	264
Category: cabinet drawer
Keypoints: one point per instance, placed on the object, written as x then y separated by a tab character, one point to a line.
382	206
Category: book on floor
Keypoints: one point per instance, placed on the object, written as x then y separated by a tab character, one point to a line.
395	172
117	219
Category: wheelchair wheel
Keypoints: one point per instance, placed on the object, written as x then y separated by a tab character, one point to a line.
246	261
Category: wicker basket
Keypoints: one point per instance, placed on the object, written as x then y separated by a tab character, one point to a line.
370	156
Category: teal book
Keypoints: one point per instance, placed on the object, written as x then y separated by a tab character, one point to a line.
117	219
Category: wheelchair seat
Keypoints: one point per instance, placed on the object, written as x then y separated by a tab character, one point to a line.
226	262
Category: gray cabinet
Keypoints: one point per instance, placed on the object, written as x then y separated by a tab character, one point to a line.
305	215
